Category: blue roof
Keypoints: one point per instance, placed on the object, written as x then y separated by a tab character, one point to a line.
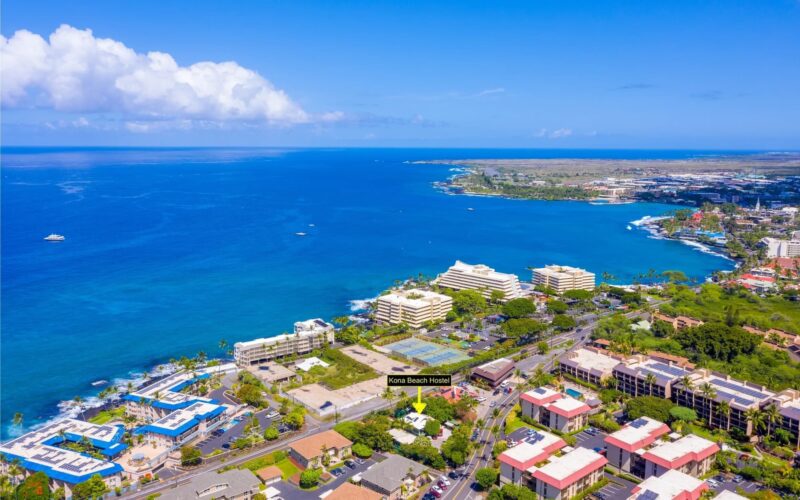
192	422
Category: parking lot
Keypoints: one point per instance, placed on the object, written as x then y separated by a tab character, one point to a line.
616	489
592	439
720	483
289	491
223	439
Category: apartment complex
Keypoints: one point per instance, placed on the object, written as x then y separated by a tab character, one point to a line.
308	335
40	450
624	445
563	278
181	426
644	376
462	276
677	322
554	410
689	454
588	364
563	477
704	389
412	307
788	402
515	461
673	485
782	248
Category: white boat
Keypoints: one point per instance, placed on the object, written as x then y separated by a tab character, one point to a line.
54	237
97	383
629	227
300	234
471	209
311	225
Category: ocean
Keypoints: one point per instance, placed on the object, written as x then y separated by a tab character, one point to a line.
168	251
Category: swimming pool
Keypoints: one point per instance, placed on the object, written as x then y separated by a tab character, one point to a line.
575	394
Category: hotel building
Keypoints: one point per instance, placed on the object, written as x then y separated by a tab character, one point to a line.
707	388
788	402
643	376
554	410
563	477
181	426
462	276
39	451
673	485
624	446
588	364
689	454
307	336
563	278
515	462
494	372
412	307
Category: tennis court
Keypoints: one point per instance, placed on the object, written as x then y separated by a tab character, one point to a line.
426	352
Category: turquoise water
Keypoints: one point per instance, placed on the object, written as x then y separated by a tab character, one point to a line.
168	251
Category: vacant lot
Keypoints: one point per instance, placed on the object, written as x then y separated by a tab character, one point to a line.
379	362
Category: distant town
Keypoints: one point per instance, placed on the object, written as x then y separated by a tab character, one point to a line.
562	387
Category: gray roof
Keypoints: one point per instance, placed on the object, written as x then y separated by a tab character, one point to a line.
389	474
228	484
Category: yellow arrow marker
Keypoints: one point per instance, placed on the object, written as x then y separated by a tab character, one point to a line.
419	405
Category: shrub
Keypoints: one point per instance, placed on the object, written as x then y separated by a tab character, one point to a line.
190	455
486	477
271	434
361	450
310	478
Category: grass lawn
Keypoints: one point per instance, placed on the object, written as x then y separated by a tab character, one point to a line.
711	304
265	460
344	370
288	469
106	416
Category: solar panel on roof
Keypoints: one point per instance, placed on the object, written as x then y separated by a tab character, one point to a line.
740	388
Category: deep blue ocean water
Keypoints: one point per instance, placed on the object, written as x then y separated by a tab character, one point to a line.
170	250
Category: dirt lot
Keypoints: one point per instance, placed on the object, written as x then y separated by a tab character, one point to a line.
378	362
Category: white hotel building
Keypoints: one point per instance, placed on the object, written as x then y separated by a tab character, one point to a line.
308	335
563	278
463	276
412	307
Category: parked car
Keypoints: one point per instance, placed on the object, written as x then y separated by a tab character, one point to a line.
437	492
453	475
444	480
441	485
350	463
600	450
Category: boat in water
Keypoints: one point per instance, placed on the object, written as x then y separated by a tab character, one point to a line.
629	227
471	209
54	237
300	234
98	383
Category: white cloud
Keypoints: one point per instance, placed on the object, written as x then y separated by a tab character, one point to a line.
73	71
498	90
560	133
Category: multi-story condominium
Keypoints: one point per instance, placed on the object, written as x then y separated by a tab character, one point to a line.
788	402
307	336
689	454
563	477
494	372
782	248
623	446
677	322
673	485
159	399
588	364
643	376
554	410
181	426
515	461
462	276
704	390
39	450
563	278
412	307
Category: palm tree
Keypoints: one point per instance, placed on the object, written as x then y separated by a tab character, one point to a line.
724	409
388	394
756	419
17	420
650	379
222	344
708	391
79	403
688	385
772	415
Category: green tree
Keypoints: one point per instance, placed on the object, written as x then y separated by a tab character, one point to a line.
543	347
563	322
649	406
469	302
361	450
191	455
250	394
309	478
519	308
92	489
34	487
271	433
717	341
486	477
557	307
682	413
456	447
432	427
523	328
294	419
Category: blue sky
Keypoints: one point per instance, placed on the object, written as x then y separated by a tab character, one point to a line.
594	74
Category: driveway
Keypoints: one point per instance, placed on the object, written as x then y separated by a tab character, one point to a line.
292	492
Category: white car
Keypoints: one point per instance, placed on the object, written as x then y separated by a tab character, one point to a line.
445	480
